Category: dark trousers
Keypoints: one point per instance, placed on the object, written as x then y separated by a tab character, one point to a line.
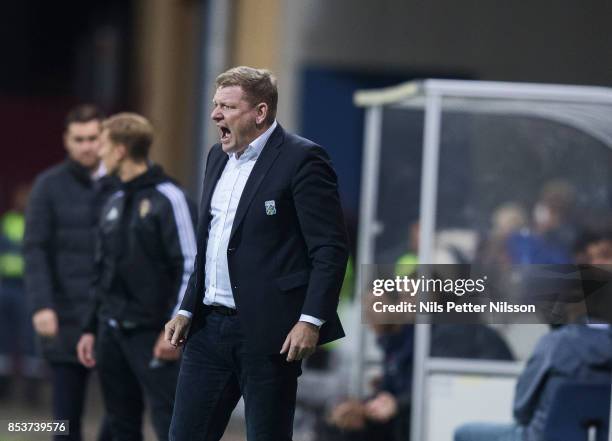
128	375
69	384
216	370
17	332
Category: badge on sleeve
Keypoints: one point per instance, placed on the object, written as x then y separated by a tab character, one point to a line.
113	214
145	207
270	208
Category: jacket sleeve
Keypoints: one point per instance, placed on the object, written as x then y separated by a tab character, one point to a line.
90	323
188	298
38	247
178	237
533	379
317	204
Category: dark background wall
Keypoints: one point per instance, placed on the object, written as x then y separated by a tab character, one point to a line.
537	41
56	54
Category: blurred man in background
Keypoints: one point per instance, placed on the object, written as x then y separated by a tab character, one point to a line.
59	252
17	353
145	253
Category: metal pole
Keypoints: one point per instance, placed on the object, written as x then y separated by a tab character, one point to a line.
610	417
429	183
368	229
216	16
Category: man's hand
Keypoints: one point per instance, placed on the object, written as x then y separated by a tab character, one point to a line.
301	341
163	350
45	322
381	408
176	330
348	415
85	350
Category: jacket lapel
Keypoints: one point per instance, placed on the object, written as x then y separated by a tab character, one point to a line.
210	181
263	164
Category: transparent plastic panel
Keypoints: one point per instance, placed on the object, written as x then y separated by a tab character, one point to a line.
521	184
399	183
510	179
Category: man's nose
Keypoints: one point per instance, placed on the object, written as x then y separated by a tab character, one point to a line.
92	145
216	114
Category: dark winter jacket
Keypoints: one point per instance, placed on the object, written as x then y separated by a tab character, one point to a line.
145	253
59	249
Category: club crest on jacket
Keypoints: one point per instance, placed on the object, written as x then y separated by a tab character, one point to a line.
270	208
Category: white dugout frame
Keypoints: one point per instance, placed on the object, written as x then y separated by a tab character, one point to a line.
581	107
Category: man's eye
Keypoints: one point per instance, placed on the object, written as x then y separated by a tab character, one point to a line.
80	139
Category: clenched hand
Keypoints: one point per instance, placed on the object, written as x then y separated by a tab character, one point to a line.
85	350
45	322
176	330
381	408
163	350
301	341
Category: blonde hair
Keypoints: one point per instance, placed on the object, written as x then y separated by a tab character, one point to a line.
259	86
133	131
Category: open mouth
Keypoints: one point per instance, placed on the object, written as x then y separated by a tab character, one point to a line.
224	134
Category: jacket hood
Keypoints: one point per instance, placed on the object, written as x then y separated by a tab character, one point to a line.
153	176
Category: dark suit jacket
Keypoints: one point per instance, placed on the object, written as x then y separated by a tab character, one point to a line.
284	264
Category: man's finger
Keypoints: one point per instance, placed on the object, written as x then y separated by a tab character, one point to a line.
90	361
176	335
168	331
293	352
286	344
80	354
87	353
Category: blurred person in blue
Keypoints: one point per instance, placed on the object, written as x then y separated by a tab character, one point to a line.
579	351
507	221
59	251
17	352
272	253
145	253
551	235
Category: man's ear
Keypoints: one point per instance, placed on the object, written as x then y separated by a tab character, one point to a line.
122	150
65	139
262	113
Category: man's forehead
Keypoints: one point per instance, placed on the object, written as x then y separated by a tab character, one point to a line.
226	93
84	127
